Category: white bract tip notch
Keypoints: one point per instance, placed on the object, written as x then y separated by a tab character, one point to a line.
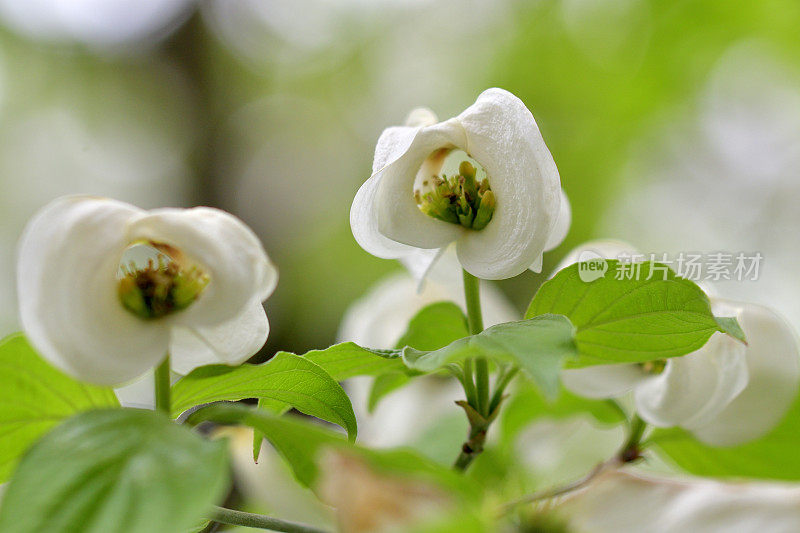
106	320
483	180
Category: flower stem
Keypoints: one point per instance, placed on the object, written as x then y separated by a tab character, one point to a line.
463	460
632	449
472	297
475	323
162	380
478	391
240	518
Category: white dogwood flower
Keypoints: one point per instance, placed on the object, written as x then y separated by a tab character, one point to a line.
484	180
724	393
107	322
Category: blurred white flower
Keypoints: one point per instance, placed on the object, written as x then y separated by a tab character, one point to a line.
725	392
501	222
108	323
618	501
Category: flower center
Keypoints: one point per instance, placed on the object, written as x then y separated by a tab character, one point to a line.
463	197
154	280
654	367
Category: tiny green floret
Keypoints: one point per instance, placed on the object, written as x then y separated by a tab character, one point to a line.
161	288
459	199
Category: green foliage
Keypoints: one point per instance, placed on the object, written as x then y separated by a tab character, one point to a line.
773	456
383	385
340	361
539	345
631	320
347	360
435	326
285	378
731	326
301	444
115	471
35	397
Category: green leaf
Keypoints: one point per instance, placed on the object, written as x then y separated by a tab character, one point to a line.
631	320
435	326
402	475
383	385
35	397
731	326
539	345
340	361
286	378
773	456
271	406
301	445
115	471
348	359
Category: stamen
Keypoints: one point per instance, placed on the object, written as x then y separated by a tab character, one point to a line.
654	367
161	287
459	199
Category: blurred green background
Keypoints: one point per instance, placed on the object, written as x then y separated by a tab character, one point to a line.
675	125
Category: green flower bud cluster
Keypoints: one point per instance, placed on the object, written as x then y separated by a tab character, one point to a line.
459	199
160	289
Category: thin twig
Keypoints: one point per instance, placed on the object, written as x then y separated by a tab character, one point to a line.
549	494
628	453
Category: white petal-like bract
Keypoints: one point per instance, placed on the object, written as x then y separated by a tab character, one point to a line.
773	361
231	342
693	389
